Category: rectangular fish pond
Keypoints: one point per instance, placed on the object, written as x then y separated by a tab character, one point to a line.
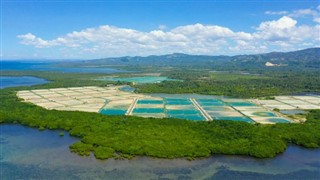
197	110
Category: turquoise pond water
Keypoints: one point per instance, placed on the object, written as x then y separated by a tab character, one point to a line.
148	110
177	99
208	100
183	108
264	114
150	102
241	104
179	103
278	120
211	103
139	80
113	111
182	111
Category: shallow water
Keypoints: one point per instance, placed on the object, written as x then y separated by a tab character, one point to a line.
14	81
127	89
28	153
293	112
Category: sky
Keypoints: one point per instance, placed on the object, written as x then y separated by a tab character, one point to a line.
56	29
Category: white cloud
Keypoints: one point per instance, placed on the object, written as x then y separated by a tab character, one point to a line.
300	13
276	30
194	39
286	30
162	27
304	12
30	39
276	12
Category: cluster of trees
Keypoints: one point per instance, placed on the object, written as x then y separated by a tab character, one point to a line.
269	83
124	137
186	74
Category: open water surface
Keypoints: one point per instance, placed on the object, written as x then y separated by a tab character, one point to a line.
28	153
14	81
51	66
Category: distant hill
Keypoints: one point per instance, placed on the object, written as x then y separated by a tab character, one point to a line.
302	58
176	59
309	58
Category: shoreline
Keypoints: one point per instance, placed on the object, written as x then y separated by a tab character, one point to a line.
133	158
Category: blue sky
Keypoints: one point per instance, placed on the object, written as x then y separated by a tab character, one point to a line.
95	29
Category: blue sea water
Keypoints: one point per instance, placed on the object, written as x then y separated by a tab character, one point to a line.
11	81
52	66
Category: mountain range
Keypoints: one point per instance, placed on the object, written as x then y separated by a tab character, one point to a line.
308	58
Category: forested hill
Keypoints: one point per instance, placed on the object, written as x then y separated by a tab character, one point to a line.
309	58
303	58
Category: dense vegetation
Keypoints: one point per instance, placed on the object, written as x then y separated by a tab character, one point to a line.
266	83
124	137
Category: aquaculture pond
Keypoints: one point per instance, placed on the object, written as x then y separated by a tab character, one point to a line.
127	89
113	111
278	120
28	153
193	107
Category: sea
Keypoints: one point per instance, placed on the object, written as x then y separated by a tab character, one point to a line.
53	66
